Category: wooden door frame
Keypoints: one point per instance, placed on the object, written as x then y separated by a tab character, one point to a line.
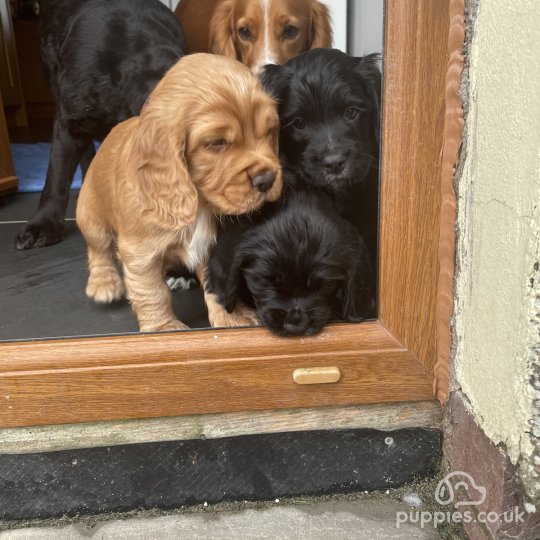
8	180
403	356
12	91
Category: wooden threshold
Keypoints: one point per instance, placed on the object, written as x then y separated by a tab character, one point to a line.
384	417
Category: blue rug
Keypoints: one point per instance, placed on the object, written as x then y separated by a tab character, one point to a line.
31	162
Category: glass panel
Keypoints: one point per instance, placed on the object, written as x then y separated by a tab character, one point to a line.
300	262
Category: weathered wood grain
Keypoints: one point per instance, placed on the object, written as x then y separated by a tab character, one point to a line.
414	81
386	417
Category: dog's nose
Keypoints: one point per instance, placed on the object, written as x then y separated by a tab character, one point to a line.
293	316
334	162
264	181
295	321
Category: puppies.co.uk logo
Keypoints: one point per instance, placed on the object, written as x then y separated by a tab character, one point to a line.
446	493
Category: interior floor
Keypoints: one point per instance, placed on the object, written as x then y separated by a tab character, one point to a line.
42	290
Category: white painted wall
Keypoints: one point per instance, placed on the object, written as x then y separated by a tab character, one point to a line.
497	306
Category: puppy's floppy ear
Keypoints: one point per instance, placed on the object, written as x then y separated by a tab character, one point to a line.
163	185
274	80
222	30
368	68
321	26
359	287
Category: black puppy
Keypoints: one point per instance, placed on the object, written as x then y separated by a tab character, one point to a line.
102	59
296	261
329	107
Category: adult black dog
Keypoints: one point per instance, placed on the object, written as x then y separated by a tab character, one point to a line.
329	107
102	59
298	262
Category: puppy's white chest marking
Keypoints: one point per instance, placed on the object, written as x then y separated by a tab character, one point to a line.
201	236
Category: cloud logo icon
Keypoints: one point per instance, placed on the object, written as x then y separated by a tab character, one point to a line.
450	484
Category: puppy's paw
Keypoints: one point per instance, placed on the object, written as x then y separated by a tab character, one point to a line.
181	283
164	327
355	318
241	316
105	287
40	233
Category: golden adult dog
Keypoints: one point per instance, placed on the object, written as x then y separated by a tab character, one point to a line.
205	144
256	32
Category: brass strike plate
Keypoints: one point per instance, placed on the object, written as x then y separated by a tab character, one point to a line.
316	375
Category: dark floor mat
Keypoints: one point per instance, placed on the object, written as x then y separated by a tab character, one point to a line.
42	290
184	473
21	207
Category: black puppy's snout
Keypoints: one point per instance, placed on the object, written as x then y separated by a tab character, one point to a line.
295	321
294	316
335	161
264	181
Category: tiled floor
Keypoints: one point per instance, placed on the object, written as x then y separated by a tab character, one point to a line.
42	290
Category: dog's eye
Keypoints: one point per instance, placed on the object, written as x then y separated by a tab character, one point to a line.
218	144
290	32
298	123
352	112
244	33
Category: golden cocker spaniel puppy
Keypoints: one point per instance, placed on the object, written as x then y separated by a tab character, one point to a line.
205	144
256	32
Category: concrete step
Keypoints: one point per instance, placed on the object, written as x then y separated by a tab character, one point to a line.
371	519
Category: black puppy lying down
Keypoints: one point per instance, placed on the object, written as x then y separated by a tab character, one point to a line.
297	262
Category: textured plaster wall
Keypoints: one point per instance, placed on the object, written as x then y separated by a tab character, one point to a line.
498	291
